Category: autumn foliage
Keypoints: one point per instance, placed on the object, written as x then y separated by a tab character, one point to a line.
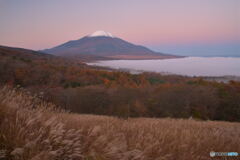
79	88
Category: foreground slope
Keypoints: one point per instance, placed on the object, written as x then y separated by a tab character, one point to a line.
33	129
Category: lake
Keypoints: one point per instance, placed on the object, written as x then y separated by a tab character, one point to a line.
190	66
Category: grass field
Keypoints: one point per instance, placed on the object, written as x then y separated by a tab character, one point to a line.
36	130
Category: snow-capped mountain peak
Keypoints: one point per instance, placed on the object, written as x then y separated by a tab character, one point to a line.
102	45
101	33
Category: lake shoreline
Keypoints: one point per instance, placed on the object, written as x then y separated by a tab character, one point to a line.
221	69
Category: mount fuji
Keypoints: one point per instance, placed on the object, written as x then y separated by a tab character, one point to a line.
103	45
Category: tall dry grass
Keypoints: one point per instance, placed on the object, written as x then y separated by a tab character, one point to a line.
35	130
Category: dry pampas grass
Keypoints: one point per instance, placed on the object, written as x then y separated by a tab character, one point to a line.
31	129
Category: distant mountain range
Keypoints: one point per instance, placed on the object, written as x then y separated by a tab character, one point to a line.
103	45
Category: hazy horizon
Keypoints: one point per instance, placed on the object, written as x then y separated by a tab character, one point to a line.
187	27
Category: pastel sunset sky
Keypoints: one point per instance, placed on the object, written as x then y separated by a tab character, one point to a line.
183	27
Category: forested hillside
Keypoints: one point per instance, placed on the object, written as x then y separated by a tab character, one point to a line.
79	88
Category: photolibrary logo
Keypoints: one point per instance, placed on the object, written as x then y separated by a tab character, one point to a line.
213	154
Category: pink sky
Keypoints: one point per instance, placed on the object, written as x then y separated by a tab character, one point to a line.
46	23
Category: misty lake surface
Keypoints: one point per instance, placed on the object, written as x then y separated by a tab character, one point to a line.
190	66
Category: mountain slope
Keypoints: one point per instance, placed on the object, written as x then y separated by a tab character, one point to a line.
22	53
11	56
103	44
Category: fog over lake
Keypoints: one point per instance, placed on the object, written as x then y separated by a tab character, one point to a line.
191	66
